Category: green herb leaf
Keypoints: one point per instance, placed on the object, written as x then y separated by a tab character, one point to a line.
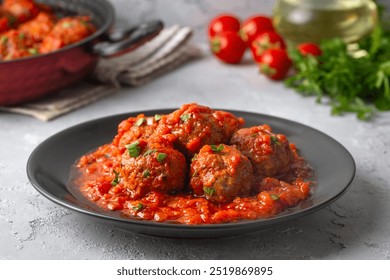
133	149
350	80
194	157
185	117
116	179
149	152
217	149
138	207
140	121
275	140
67	24
274	196
209	191
3	39
161	157
32	51
146	173
157	117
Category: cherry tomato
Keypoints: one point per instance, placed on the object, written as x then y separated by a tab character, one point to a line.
275	63
265	41
254	26
222	23
309	48
228	47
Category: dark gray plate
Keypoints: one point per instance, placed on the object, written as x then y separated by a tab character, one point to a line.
49	165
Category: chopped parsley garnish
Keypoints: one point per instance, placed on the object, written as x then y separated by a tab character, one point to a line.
161	157
146	173
210	191
66	24
194	157
133	149
217	149
275	140
21	35
157	117
185	117
116	179
3	39
149	152
138	207
32	51
274	196
140	121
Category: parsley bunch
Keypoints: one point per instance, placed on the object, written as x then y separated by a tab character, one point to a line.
357	82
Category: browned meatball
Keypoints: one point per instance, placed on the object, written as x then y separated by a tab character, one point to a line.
148	165
196	125
67	31
135	128
270	153
221	173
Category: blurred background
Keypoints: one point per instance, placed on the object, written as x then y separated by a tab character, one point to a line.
195	13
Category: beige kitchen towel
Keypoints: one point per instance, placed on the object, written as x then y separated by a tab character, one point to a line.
168	50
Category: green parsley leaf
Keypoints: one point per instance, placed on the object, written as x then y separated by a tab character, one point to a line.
157	117
133	149
67	24
149	152
217	149
140	121
194	157
146	173
209	191
138	207
32	51
185	117
349	80
274	196
3	39
161	157
116	179
275	140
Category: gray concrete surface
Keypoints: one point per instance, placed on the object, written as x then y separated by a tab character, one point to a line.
356	226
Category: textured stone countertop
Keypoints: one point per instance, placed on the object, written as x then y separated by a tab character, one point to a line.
356	226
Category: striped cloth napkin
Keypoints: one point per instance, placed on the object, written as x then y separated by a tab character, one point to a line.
168	50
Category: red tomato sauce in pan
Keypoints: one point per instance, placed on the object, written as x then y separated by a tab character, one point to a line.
194	166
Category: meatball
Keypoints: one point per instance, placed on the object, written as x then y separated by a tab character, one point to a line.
67	31
39	27
135	128
270	153
152	165
220	173
196	125
23	10
13	46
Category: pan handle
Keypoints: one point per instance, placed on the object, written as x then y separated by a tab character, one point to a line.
125	40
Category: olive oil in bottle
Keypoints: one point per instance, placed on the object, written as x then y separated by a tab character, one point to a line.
301	21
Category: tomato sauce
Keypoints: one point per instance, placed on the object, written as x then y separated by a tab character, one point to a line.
98	181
